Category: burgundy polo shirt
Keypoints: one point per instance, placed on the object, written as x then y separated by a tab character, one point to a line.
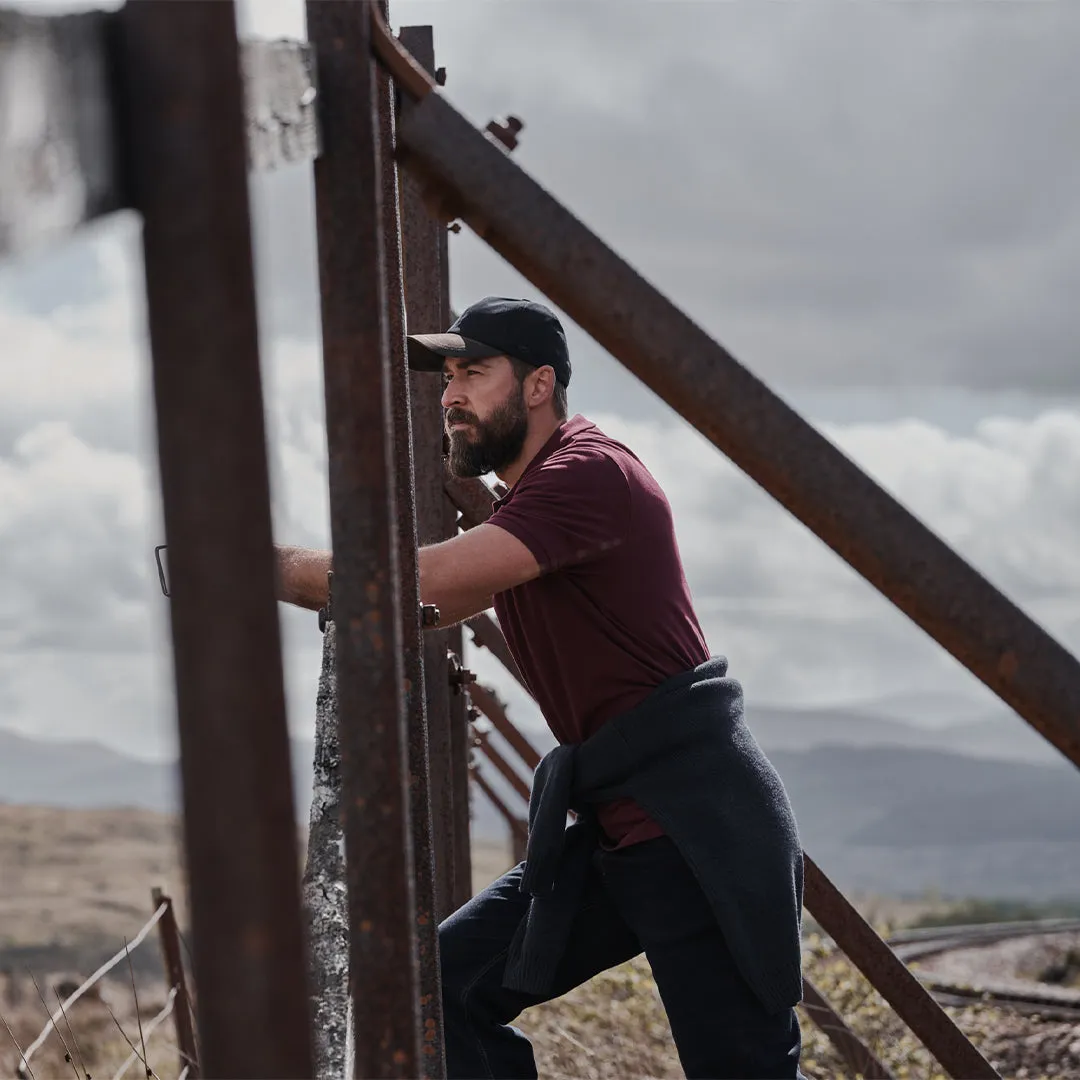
610	617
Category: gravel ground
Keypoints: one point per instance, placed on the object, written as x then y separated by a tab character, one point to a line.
1017	962
614	1028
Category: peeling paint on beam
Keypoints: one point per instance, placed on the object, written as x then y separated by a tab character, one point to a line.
480	183
58	167
279	103
326	910
61	131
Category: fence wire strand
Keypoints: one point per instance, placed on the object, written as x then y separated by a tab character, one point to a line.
147	1032
100	973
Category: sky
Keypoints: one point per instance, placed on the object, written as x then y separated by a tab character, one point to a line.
875	207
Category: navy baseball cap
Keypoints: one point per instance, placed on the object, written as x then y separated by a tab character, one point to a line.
497	326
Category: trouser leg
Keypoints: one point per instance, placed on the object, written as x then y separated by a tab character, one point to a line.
474	941
720	1027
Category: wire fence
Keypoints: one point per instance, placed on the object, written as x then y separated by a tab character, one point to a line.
98	975
164	918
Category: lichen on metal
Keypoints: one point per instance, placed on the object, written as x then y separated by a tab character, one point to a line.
57	162
281	98
324	891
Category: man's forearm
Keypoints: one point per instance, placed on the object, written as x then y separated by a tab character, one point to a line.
302	576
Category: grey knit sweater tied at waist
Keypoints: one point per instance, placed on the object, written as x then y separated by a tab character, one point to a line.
688	759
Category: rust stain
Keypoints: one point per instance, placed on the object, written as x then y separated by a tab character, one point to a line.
1007	664
366	926
400	1057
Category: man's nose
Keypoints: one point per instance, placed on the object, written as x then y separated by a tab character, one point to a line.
451	394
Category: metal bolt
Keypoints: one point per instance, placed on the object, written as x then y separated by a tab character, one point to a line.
506	131
440	76
429	615
460	676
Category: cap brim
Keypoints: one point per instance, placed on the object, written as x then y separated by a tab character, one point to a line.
428	351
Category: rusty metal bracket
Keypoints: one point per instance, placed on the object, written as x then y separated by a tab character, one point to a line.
429	616
160	568
506	130
326	614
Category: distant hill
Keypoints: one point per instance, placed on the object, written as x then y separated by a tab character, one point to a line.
999	735
903	821
881	805
87	775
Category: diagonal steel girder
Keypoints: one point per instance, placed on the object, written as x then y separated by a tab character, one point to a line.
476	180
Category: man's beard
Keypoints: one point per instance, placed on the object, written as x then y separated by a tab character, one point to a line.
496	442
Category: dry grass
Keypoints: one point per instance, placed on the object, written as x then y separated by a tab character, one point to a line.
100	1044
73	876
83	878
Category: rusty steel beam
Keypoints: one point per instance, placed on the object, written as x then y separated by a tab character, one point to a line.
740	415
519	827
189	180
472	497
486	701
61	166
858	1056
383	962
487	634
420	236
433	1064
482	741
891	978
459	702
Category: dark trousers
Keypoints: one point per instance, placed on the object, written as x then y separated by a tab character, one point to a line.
641	898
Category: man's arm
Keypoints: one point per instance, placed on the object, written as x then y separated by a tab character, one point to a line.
302	576
459	576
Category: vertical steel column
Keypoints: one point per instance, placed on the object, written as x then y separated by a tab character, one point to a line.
420	234
459	700
383	965
187	158
433	1063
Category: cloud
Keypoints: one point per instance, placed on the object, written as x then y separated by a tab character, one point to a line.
859	196
876	194
801	626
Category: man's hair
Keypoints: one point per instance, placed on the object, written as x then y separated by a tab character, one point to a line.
558	395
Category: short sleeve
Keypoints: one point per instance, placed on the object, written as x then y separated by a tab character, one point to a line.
571	509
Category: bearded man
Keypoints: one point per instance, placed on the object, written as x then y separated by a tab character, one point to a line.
685	847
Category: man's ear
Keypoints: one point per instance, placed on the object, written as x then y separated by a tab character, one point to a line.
543	385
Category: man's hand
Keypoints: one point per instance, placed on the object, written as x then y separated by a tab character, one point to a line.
301	576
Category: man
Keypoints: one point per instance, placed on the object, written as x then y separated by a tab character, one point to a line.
685	846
